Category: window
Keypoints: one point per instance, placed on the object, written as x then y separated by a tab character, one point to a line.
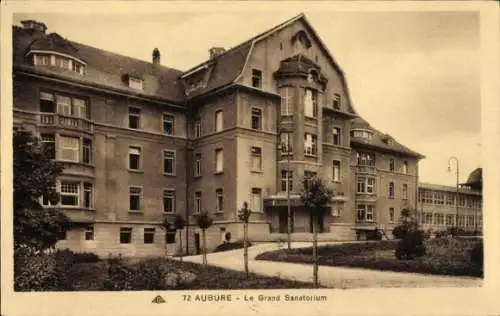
134	118
336	101
197	128
439	219
77	67
87	195
49	142
428	218
366	159
256	78
461	220
168	124
286	101
41	60
256	159
197	202
219	125
69	148
337	136
310	144
336	210
405	166
149	235
135	199
336	171
286	143
80	108
365	212
219	160
449	219
366	185
391	190
134	158
47	104
450	199
286	180
89	233
70	193
63	105
256	200
362	134
439	198
391	164
461	201
62	62
168	201
170	237
87	151
125	235
257	119
405	191
135	83
311	103
219	200
197	165
391	215
168	162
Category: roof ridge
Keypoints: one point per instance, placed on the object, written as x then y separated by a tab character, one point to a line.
296	17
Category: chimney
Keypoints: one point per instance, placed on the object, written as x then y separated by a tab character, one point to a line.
156	56
34	25
216	51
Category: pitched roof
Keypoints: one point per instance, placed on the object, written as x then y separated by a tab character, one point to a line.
104	68
377	140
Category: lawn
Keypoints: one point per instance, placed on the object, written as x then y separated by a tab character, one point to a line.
444	256
46	274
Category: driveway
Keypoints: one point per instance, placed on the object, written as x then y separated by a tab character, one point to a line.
334	277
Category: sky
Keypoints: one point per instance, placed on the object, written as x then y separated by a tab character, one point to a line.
414	75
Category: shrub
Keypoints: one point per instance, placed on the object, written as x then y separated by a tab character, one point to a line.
34	272
476	254
227	236
411	246
399	231
230	246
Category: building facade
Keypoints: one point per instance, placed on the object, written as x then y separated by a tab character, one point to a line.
438	209
141	141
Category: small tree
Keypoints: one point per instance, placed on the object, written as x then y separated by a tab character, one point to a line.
315	195
35	174
244	216
412	237
204	221
179	225
167	227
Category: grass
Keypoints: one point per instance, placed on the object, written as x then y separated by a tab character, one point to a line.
444	256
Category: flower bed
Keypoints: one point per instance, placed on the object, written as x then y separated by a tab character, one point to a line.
444	256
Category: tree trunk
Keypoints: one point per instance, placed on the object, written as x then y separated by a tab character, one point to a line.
204	246
315	250
245	247
180	245
166	249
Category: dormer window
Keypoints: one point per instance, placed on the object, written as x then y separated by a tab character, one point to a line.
336	101
362	133
135	83
54	59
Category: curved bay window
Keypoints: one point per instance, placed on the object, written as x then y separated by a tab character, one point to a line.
58	60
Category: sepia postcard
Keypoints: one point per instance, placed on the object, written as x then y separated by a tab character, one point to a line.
243	157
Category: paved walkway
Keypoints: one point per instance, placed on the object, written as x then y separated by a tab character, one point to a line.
335	277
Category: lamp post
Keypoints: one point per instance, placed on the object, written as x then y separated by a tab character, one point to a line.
289	204
457	194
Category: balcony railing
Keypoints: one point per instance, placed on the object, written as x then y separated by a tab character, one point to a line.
366	169
64	121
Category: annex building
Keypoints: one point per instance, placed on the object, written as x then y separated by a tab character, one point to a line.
141	141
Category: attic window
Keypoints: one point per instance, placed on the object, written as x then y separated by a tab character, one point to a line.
388	140
58	60
135	83
362	133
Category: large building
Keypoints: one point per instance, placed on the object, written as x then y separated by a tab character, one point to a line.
438	211
141	141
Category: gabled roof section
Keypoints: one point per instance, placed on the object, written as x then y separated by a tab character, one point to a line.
104	68
230	64
378	140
